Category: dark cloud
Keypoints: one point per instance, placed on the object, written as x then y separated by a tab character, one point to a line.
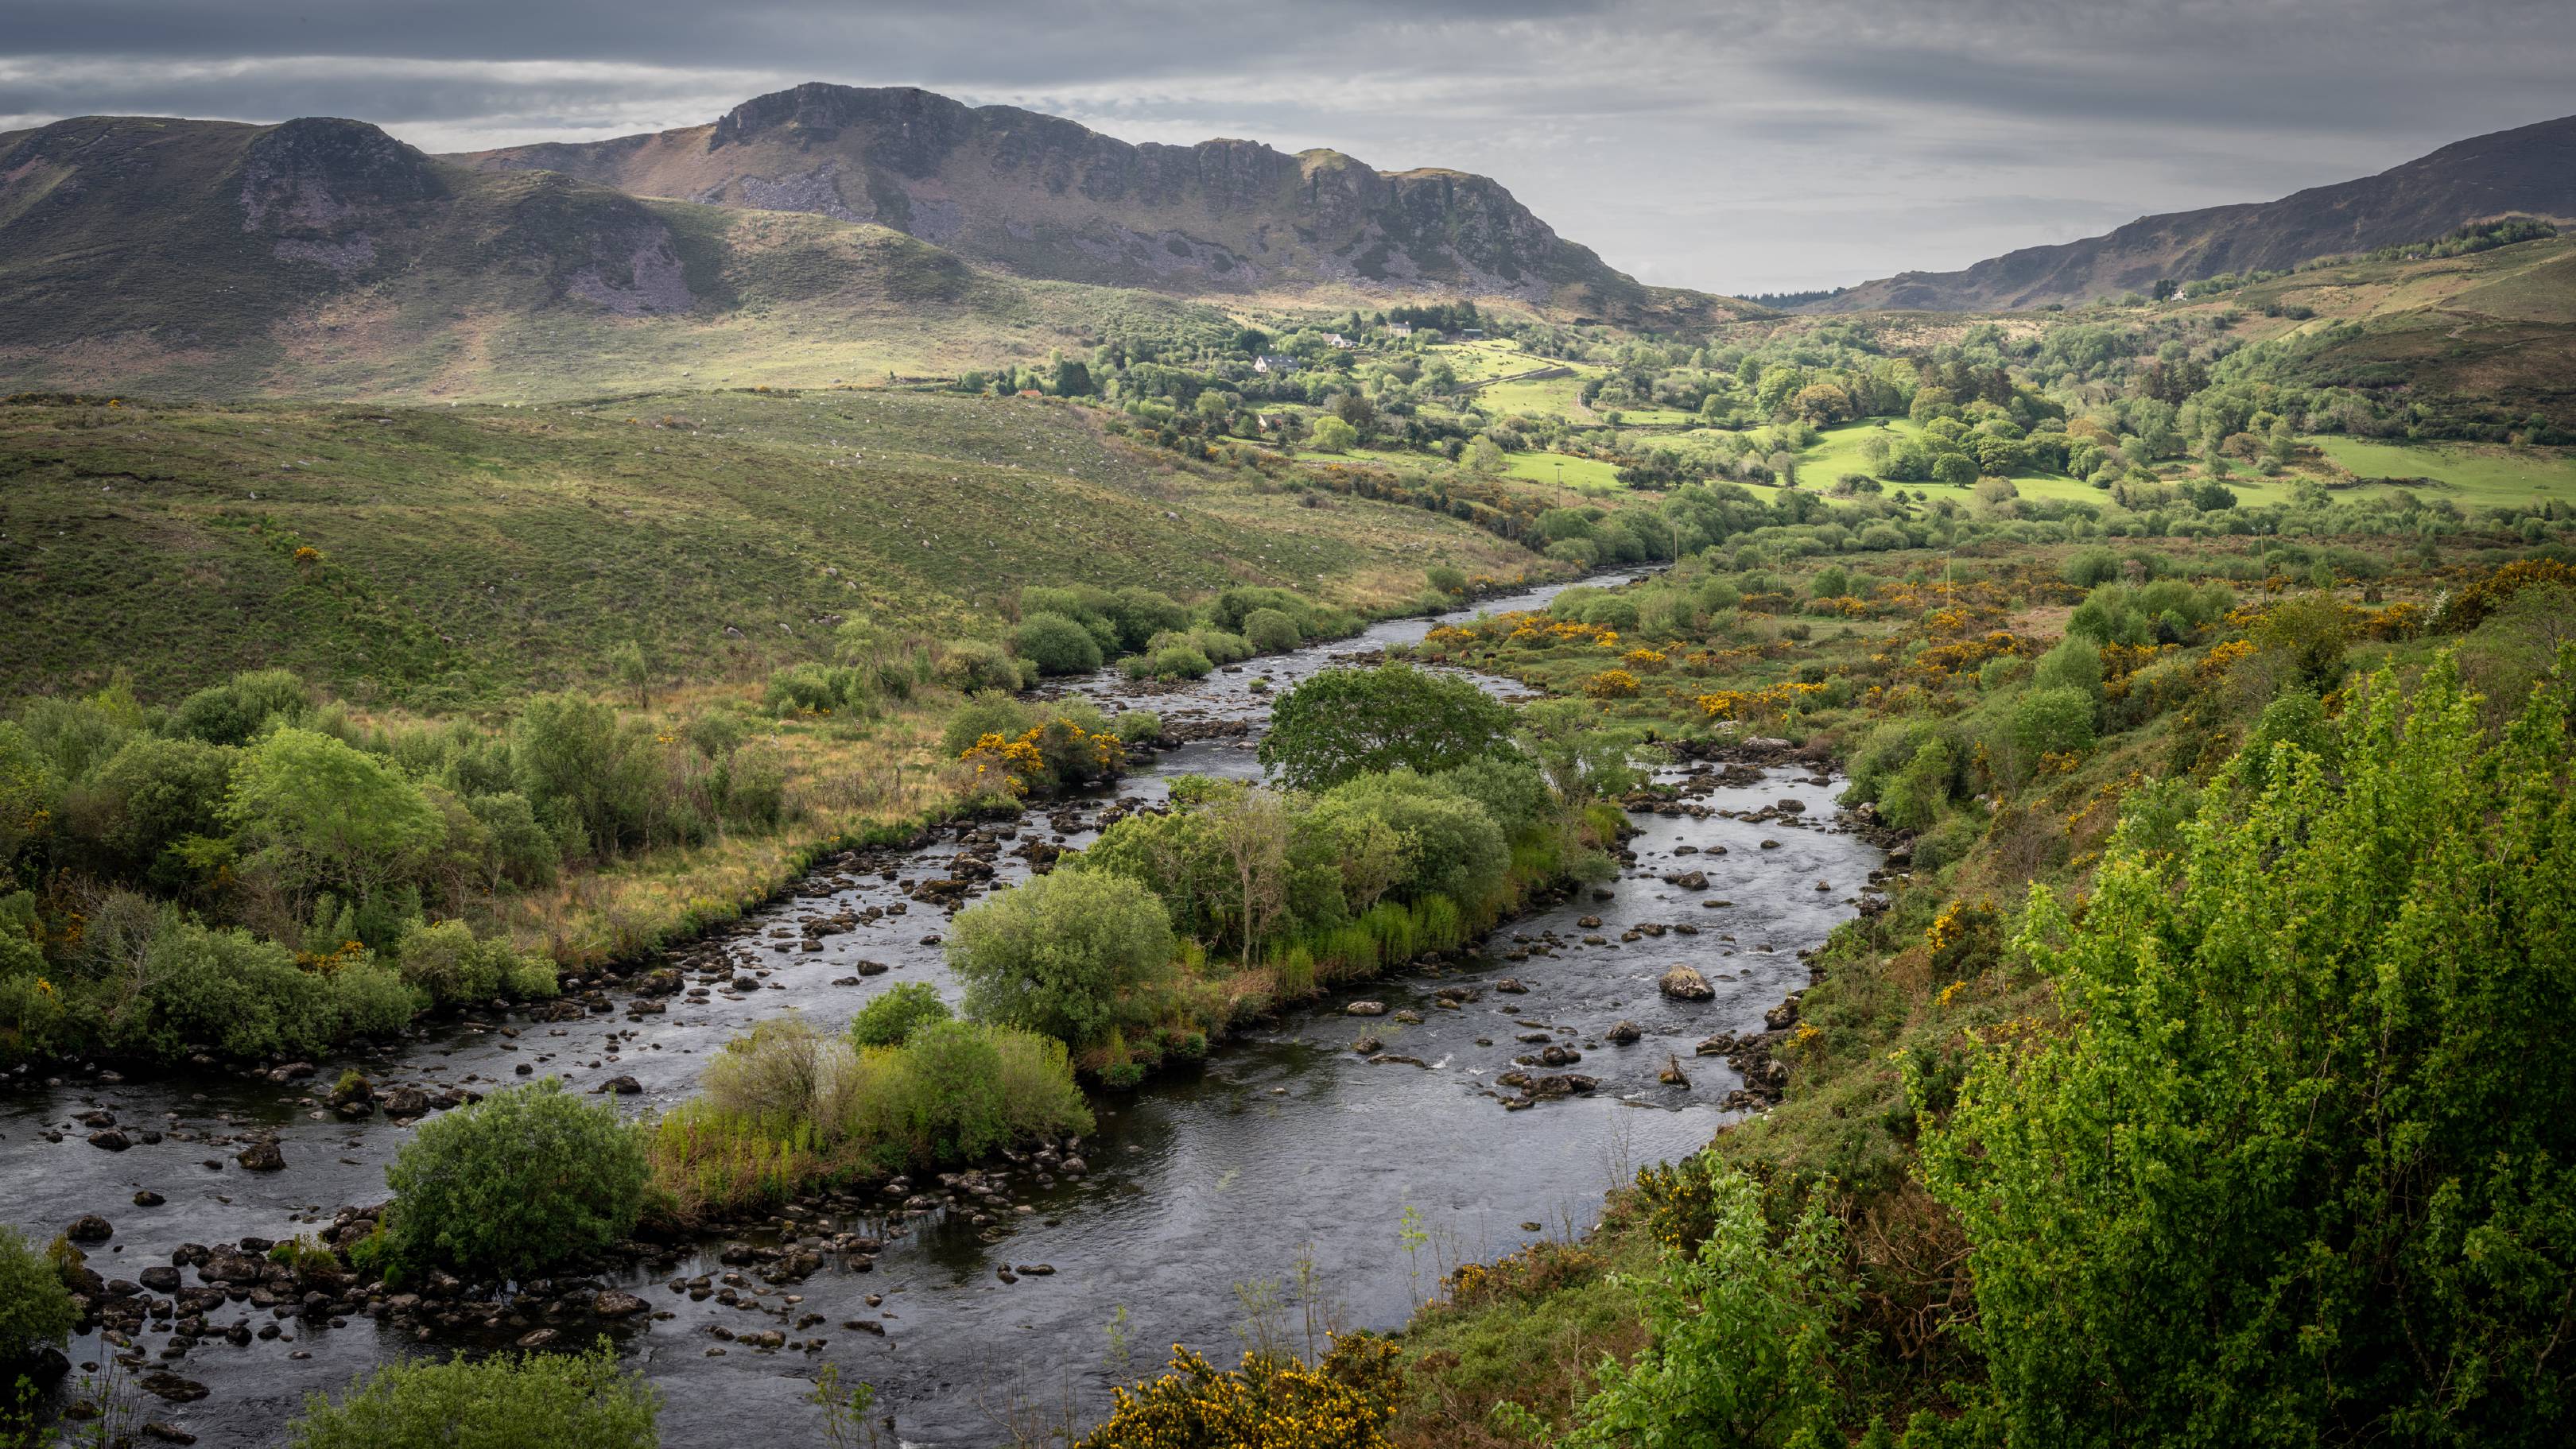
1741	144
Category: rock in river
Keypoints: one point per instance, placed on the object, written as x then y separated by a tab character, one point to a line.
1365	1008
261	1157
1682	983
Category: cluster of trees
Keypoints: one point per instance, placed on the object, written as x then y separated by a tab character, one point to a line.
251	873
1410	807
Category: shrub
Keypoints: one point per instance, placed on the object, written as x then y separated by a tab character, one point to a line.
450	965
892	1016
235	713
2073	664
1137	727
1743	1350
35	1308
1344	1402
989	713
1058	953
1271	631
582	1401
970	665
2397	921
1446	579
2052	722
1452	847
1180	661
526	1178
1056	644
228	990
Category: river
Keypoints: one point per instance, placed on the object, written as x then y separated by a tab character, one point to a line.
1285	1153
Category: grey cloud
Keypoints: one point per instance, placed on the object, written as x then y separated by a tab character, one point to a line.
1731	144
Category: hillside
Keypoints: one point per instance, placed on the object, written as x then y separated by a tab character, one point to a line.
463	554
1045	197
2530	170
322	257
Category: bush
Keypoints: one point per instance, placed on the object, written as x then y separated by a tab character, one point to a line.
1137	727
989	713
891	1017
581	1401
446	962
2052	722
1056	644
246	998
971	665
35	1308
1273	1399
1059	953
236	712
1271	631
2073	664
1180	661
524	1179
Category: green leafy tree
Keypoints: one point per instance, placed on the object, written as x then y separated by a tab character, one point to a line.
325	815
1346	722
1743	1355
35	1309
560	1401
2301	1167
1059	954
524	1179
1584	755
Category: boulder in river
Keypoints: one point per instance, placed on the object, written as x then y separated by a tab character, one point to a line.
610	1303
172	1387
89	1228
110	1140
1683	983
261	1157
622	1086
1365	1008
1624	1032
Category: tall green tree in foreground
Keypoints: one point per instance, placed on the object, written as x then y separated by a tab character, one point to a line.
2302	1170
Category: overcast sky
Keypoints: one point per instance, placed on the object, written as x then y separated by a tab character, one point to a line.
1735	145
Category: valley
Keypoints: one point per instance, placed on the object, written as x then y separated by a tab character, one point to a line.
889	770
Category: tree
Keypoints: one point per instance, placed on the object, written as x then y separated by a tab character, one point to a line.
2299	1167
1346	722
1251	828
506	1187
326	815
1743	1355
1060	953
1332	435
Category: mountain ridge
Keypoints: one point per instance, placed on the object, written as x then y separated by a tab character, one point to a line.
215	258
1046	197
2527	169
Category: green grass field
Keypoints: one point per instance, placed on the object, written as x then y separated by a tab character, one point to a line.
2478	476
461	554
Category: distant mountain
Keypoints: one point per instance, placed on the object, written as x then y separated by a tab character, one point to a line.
1045	197
324	257
2531	170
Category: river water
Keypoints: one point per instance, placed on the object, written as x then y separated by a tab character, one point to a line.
1286	1158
